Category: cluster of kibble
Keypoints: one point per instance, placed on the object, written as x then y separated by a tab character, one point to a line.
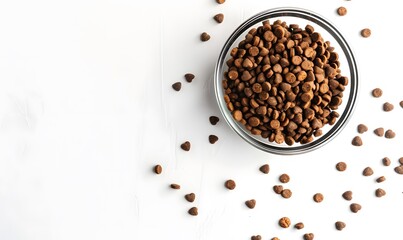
284	83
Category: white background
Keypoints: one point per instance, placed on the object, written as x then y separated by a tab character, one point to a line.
87	109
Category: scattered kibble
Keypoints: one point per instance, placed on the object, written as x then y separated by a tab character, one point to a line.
214	120
399	169
342	11
340	225
367	171
357	141
361	128
265	168
204	37
379	132
185	146
377	92
189	77
212	139
390	134
175	186
257	237
158	169
230	184
278	189
284	178
348	195
219	18
284	222
286	193
308	236
341	166
366	32
387	107
380	179
355	207
380	192
177	86
386	161
401	104
190	197
193	211
250	203
299	225
318	197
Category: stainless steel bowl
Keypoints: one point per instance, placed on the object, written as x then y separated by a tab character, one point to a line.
348	67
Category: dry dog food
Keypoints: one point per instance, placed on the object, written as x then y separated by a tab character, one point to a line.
399	169
340	225
284	222
366	32
220	1
190	197
219	18
278	189
342	11
265	168
284	178
185	146
377	92
367	171
341	166
204	37
158	169
286	193
214	120
357	141
401	104
284	83
299	225
250	203
355	207
175	186
177	86
386	161
380	192
193	211
348	195
230	184
212	139
390	134
308	236
380	179
401	160
257	237
361	128
189	77
318	197
387	107
379	132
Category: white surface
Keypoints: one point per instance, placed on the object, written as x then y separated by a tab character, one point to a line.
87	109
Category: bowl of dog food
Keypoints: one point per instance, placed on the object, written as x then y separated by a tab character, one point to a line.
286	81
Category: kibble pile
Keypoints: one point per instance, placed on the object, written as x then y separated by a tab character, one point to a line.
284	83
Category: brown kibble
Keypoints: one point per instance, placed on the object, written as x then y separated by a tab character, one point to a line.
386	161
175	186
230	184
299	225
390	134
286	193
308	236
355	207
284	178
284	222
214	120
379	131
189	77
265	168
401	104
185	146
190	197
361	128
204	37
177	86
340	225
367	171
387	107
158	169
257	237
220	1
193	211
233	74
401	160
366	32
399	169
254	121
278	189
250	203
318	197
237	115
212	139
380	179
377	92
380	192
219	18
341	166
357	141
275	238
348	195
342	11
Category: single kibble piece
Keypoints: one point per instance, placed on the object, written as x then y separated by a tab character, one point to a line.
219	18
308	236
185	146
348	195
399	169
357	141
387	107
158	169
189	77
175	186
214	120
204	37
379	132
177	86
220	1
390	134
250	203
265	168
380	192
318	197
341	166
286	193
237	115
275	238
193	211
401	160
212	139
380	179
342	11
367	171
299	225
230	184
361	128
278	189
366	32
401	104
257	237
355	207
284	178
377	92
386	161
340	225
284	222
190	197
